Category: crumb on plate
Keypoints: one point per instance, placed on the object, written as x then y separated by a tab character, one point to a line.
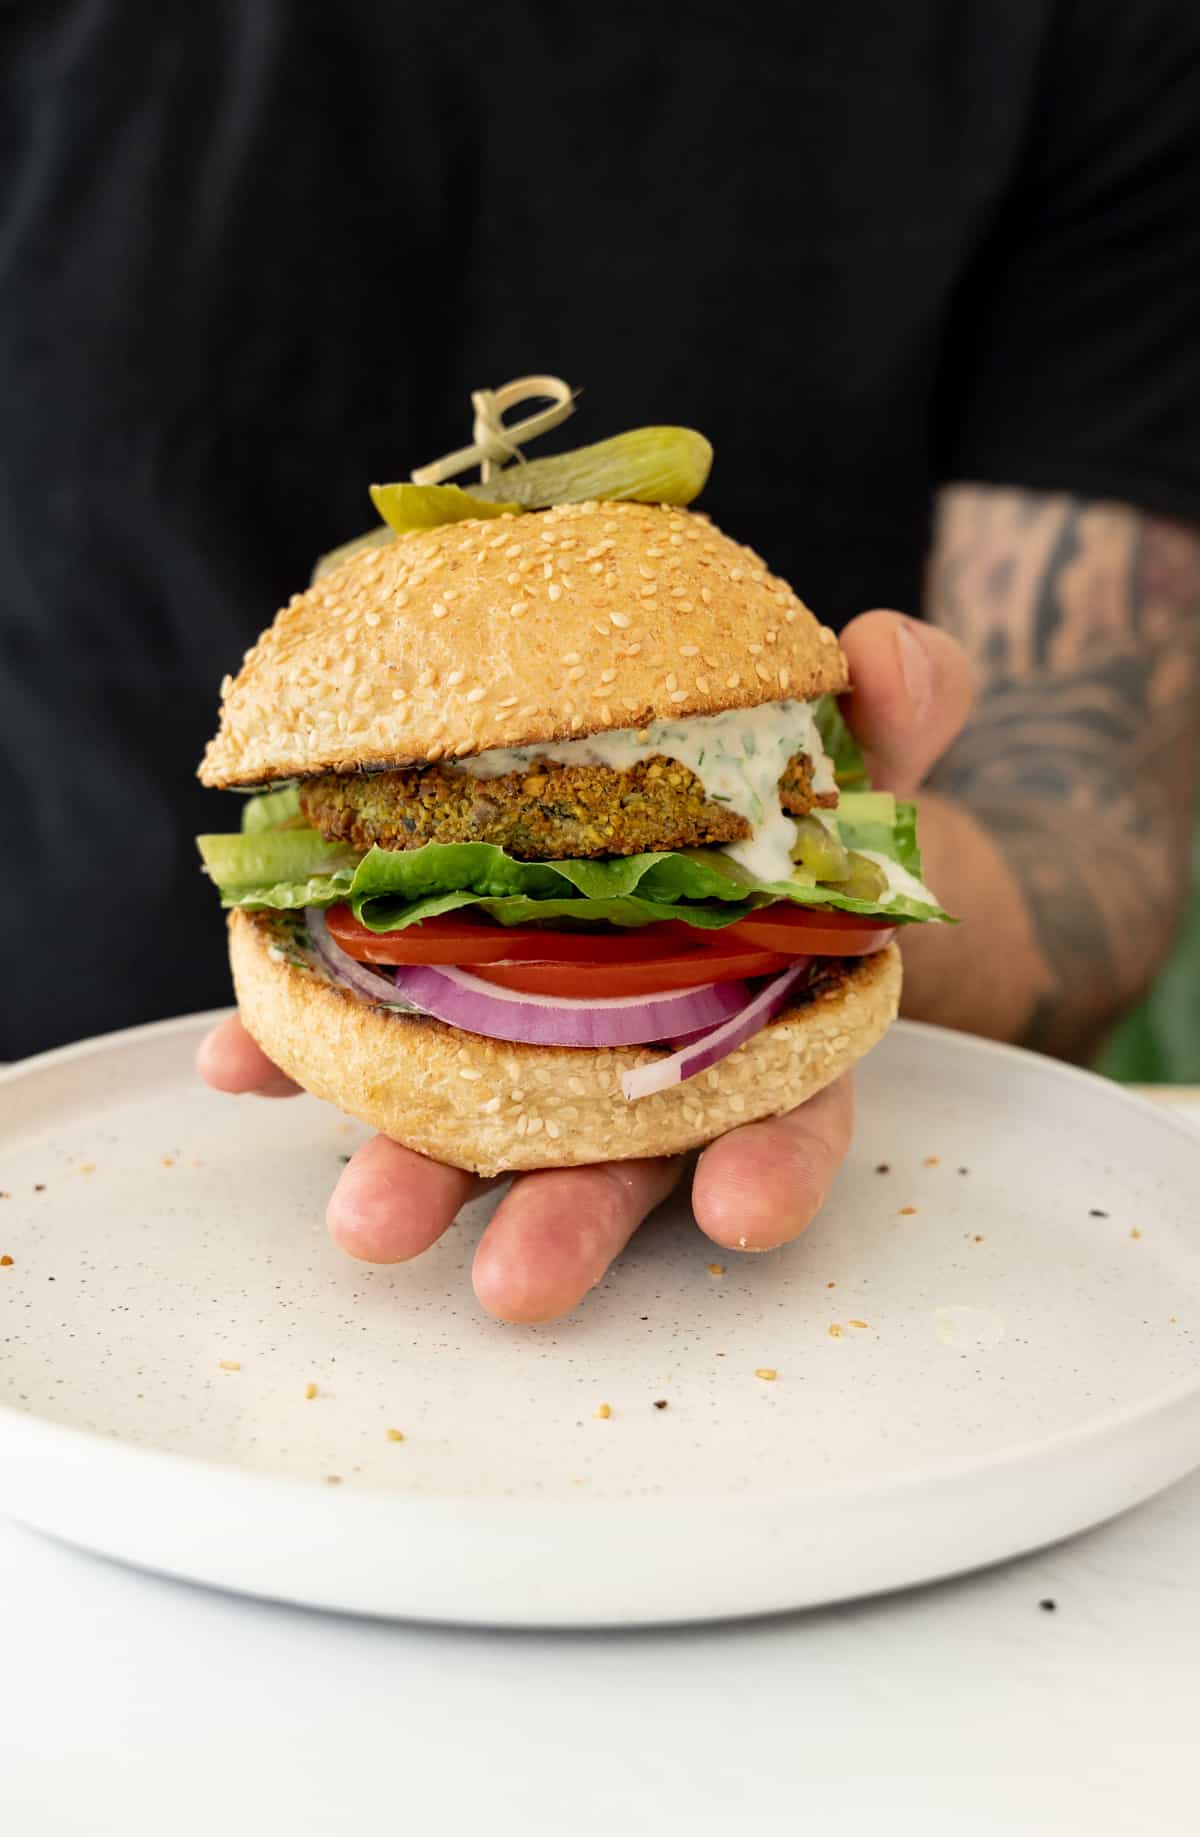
310	1391
602	1412
766	1372
395	1435
229	1364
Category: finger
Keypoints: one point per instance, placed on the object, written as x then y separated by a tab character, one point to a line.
229	1060
392	1203
910	695
763	1185
556	1233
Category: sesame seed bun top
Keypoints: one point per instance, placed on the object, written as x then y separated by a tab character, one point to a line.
512	631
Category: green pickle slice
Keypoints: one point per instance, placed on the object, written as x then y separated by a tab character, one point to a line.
819	851
866	880
406	507
647	465
650	465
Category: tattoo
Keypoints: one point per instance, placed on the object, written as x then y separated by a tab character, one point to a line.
1083	622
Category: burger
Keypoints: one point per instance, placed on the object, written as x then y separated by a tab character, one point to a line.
558	849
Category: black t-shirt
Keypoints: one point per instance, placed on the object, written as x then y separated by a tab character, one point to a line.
253	256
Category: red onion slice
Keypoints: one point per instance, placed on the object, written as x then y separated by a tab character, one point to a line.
364	982
718	1042
463	1000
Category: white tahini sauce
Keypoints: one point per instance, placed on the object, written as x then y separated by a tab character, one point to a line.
738	757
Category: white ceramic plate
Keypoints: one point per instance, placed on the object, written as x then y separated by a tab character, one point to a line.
991	1344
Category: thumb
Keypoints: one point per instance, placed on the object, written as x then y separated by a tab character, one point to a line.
910	694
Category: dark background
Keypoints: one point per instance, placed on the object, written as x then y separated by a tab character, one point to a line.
253	257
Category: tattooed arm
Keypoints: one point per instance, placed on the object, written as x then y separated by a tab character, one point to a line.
1059	824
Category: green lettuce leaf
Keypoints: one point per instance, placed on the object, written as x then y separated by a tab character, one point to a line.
271	809
849	766
390	888
279	868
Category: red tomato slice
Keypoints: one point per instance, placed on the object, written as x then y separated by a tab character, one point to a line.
686	970
451	938
809	929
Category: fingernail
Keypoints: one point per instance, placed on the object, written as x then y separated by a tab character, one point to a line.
916	669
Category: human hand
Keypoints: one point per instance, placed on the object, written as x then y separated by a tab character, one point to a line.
556	1231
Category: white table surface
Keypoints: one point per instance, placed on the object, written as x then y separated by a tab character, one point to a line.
136	1705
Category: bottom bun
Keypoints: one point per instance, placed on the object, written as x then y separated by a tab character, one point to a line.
495	1107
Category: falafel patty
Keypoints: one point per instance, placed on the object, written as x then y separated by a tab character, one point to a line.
545	812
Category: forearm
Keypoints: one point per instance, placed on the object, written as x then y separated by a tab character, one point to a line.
1058	826
987	974
993	974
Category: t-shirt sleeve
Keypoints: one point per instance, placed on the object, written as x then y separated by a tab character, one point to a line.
1072	361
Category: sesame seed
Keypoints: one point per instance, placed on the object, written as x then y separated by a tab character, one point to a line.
490	1107
470	1073
554	591
553	1130
576	723
762	672
755	650
689	650
476	694
517	608
702	684
575	672
455	676
672	682
608	675
733	679
507	701
438	610
570	656
620	620
679	695
785	677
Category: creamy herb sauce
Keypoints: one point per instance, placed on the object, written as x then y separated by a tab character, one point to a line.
899	881
738	757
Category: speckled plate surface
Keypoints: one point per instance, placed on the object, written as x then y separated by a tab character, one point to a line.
989	1340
